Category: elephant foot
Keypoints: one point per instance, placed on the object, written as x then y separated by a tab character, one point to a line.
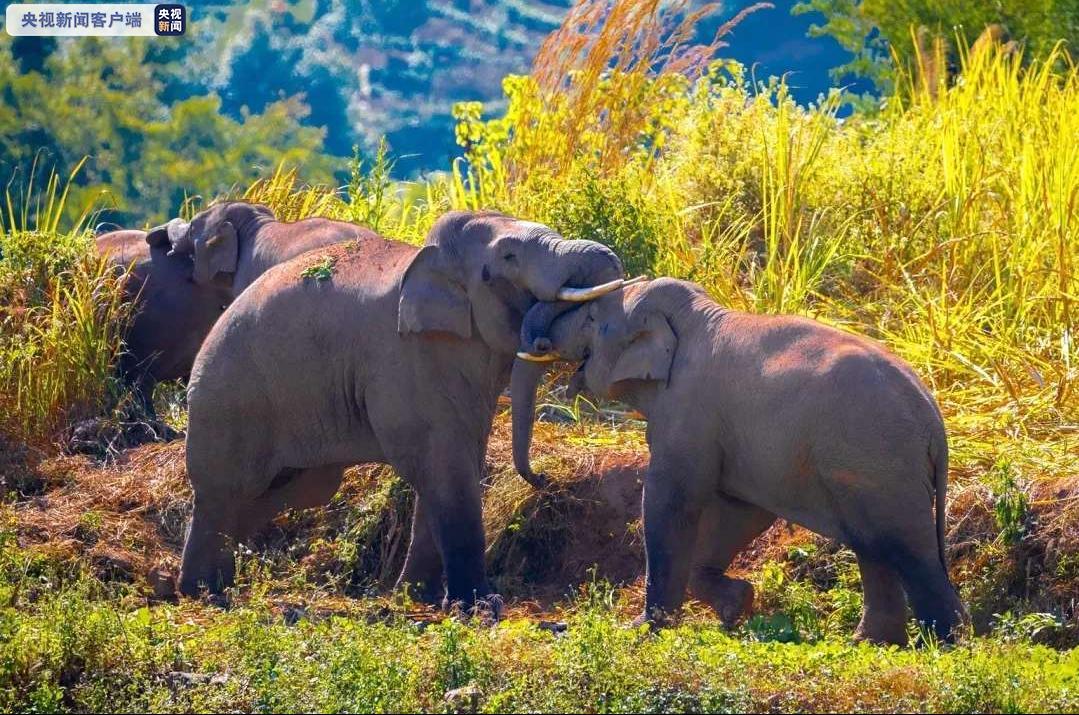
731	598
421	592
211	586
655	618
208	564
735	603
881	631
487	610
164	432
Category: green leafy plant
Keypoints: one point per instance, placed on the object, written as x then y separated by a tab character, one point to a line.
1011	505
370	191
320	271
1028	628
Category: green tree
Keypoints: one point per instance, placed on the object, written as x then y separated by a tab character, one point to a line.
102	99
872	29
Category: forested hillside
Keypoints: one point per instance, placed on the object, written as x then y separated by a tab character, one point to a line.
254	85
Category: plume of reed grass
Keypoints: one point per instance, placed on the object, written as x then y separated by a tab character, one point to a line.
600	73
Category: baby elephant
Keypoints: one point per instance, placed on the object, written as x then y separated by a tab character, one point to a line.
753	416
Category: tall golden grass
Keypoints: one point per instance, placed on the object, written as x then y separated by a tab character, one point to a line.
62	315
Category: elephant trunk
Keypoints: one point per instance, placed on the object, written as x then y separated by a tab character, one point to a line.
535	328
524	381
553	265
528	370
587	270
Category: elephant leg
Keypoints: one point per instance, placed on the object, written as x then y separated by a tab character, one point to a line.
143	387
447	482
895	527
422	571
884	608
138	380
302	489
672	509
934	600
727	526
140	383
215	528
207	558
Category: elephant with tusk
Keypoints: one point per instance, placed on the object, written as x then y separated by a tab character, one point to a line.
536	351
754	416
398	357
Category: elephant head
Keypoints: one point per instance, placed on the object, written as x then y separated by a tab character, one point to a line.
484	271
618	338
213	237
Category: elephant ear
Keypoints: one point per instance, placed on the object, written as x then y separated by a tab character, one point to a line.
431	300
158	236
220	253
105	227
650	350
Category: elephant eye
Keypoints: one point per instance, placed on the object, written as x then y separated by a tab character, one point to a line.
510	257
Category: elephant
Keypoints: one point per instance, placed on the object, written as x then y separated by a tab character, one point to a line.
751	417
397	356
234	242
185	274
171	315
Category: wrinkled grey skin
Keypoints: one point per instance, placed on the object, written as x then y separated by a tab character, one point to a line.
398	358
235	242
753	416
171	316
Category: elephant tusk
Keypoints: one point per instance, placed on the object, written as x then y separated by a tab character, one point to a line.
582	295
542	357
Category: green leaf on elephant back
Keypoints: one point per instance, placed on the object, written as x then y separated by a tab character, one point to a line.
321	271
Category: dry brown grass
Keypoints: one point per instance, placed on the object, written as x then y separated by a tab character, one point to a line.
125	518
601	37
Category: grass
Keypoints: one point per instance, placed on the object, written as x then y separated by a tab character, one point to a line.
63	313
76	651
945	225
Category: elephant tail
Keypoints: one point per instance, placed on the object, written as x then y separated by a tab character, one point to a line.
938	456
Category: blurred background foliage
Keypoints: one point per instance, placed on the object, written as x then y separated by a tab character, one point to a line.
309	81
107	100
881	33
